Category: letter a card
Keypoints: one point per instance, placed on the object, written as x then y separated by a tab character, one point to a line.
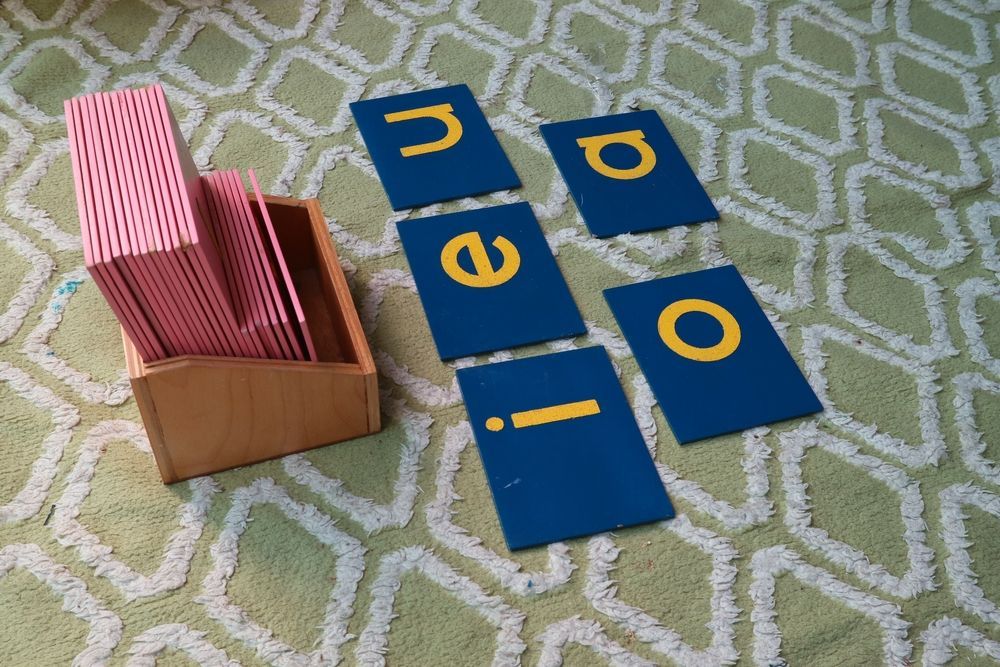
432	146
710	354
488	281
560	447
626	174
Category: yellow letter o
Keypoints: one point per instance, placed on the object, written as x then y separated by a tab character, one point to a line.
667	326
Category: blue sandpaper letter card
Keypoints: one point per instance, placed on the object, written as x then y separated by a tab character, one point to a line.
560	447
432	145
626	173
710	354
488	281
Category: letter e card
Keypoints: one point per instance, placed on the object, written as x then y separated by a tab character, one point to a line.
488	281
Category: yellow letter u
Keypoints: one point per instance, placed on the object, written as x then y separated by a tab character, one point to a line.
444	113
592	147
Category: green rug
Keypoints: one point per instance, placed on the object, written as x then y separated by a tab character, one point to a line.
853	151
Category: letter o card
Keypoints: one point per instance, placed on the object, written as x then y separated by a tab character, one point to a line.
710	354
488	281
432	146
626	174
560	447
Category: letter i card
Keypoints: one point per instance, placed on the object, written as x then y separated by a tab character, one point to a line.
626	174
560	447
711	356
432	146
488	281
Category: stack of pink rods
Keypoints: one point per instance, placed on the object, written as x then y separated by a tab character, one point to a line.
186	262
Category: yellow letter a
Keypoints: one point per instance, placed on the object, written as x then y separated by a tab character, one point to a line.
444	113
592	147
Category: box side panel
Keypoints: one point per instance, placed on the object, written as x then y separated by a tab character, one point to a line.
214	418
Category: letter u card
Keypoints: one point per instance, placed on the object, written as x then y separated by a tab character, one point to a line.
488	281
710	354
560	447
626	174
432	146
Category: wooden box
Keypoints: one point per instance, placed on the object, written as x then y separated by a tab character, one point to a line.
205	414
